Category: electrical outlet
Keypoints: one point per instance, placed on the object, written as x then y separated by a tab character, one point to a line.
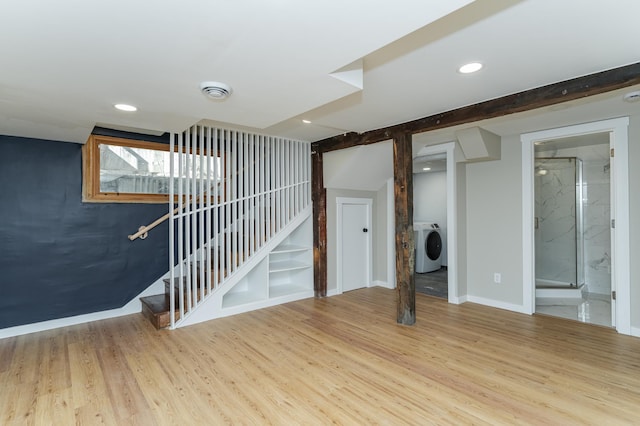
497	277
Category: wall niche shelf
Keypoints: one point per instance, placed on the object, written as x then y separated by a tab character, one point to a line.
286	265
285	274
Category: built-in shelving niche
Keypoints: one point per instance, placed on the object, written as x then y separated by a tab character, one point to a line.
285	275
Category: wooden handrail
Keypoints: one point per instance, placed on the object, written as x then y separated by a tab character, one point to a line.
143	231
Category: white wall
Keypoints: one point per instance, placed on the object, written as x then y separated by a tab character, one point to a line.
494	227
365	168
461	228
380	242
430	203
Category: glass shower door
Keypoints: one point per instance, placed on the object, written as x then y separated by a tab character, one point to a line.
558	217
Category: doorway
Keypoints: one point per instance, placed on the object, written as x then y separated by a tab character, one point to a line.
354	248
449	224
572	233
430	224
573	191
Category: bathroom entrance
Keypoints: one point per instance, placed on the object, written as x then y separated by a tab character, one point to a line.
574	192
572	235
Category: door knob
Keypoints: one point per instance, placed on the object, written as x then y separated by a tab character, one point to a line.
365	230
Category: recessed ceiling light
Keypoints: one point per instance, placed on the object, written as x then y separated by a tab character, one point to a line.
470	67
306	121
426	169
125	107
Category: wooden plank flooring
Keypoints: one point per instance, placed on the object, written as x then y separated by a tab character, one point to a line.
339	360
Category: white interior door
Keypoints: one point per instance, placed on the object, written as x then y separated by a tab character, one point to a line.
354	242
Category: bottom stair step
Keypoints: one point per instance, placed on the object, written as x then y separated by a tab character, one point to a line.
157	310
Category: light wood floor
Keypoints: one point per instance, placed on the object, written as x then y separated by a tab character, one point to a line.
337	360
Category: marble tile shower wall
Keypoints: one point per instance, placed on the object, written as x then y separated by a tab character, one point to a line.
597	234
597	213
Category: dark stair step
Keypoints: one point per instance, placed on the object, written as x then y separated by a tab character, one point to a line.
157	310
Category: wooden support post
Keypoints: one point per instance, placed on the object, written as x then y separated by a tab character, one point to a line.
319	198
405	244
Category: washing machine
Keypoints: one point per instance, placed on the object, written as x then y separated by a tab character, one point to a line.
428	246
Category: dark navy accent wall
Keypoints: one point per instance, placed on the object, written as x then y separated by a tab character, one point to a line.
61	257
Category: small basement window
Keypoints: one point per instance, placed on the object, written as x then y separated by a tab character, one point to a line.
131	171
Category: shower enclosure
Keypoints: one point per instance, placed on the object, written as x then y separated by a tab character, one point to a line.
559	244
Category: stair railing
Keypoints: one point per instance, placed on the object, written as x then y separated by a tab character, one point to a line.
260	184
143	231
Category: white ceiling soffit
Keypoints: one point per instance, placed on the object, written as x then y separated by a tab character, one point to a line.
65	63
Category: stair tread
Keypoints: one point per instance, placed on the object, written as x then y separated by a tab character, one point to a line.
158	303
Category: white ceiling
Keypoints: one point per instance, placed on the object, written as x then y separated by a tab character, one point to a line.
65	63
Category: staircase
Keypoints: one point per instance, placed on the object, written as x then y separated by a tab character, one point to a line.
157	308
249	208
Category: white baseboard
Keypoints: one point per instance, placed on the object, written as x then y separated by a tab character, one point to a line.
458	300
134	306
332	292
497	304
635	331
382	284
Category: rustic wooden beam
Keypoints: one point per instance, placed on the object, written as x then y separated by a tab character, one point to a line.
319	199
405	257
551	94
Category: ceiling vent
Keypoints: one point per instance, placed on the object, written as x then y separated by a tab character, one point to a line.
215	90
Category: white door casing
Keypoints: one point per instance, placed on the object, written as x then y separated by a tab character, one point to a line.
354	244
612	215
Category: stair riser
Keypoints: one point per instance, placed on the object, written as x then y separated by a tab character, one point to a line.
159	320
